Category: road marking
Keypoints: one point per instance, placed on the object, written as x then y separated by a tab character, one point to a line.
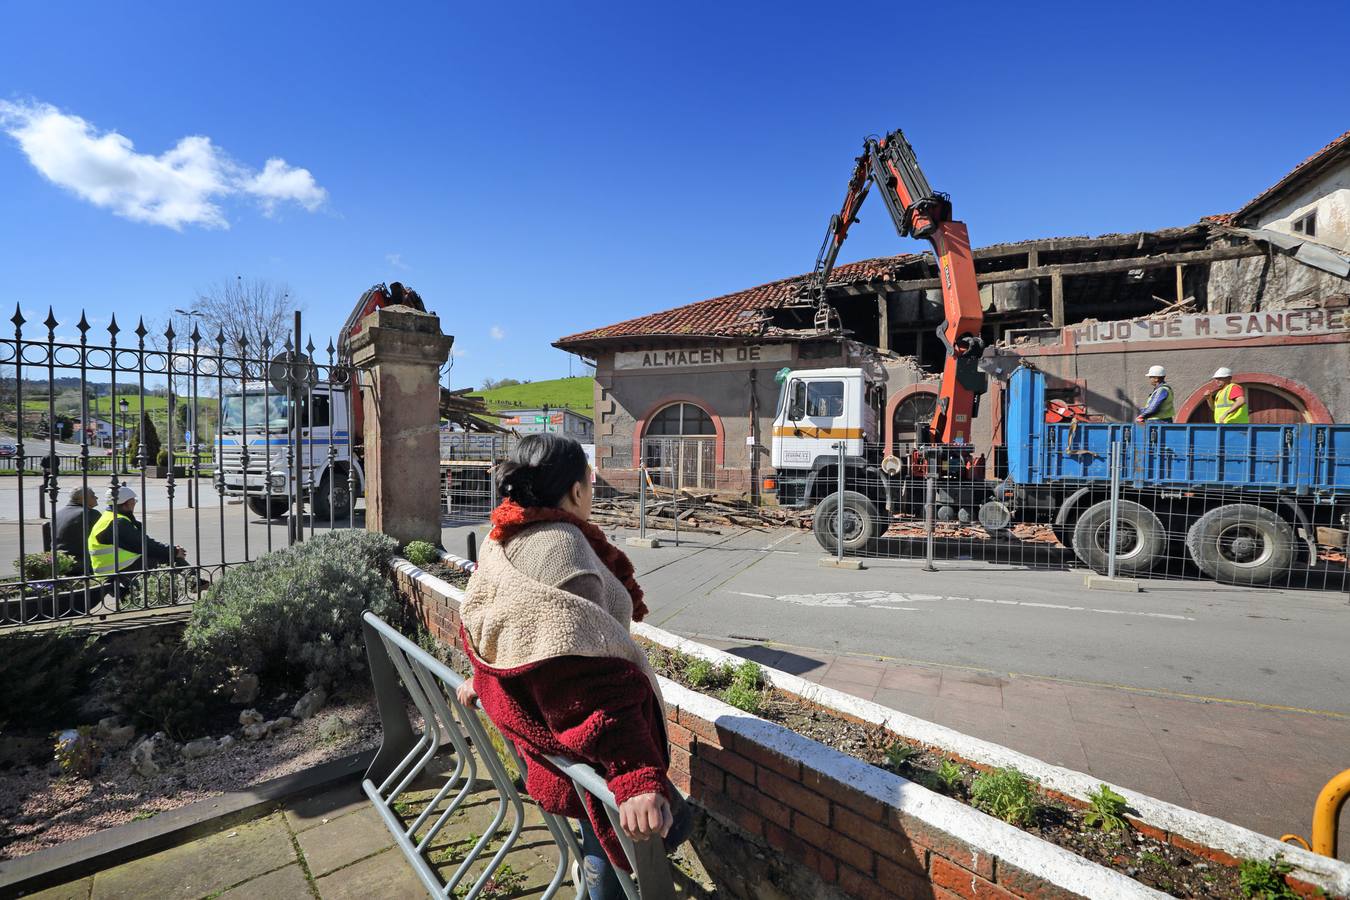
1153	692
890	599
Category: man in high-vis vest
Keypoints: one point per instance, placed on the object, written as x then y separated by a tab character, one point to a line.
1229	401
1159	407
117	540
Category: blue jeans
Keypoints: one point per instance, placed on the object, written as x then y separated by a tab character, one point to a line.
598	871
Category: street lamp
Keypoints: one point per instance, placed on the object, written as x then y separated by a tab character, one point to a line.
123	405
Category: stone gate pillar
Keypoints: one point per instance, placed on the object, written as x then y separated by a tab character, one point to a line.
399	353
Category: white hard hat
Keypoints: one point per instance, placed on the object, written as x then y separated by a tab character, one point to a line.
1223	372
119	495
1157	372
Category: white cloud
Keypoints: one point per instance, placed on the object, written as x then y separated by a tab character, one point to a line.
181	186
395	260
279	182
497	333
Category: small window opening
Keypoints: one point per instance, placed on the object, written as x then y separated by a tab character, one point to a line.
1307	225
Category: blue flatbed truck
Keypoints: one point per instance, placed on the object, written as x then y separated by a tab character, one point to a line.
1246	501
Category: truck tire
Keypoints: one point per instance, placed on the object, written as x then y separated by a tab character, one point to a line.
341	506
1240	543
860	522
268	507
1140	538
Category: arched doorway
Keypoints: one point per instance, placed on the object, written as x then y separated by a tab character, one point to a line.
679	447
910	409
1271	400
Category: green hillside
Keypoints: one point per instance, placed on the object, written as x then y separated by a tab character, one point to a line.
576	394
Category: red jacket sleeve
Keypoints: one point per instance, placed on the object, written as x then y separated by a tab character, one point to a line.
604	713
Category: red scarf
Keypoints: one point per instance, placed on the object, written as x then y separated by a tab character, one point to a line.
510	518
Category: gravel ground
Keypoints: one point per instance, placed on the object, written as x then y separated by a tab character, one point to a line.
39	809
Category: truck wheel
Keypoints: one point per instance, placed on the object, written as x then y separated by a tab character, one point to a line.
860	522
1140	538
268	507
341	506
1239	543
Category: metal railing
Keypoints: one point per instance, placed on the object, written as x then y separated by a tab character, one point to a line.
397	666
172	387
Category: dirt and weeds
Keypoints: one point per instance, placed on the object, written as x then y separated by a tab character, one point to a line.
1098	831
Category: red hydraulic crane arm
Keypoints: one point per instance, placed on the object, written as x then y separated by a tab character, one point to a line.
920	212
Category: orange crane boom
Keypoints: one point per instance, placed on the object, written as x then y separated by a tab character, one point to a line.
920	212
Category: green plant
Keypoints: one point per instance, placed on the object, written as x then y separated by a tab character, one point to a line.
162	457
1107	810
78	751
173	689
296	613
421	553
43	672
38	566
701	673
1264	879
899	755
746	689
949	774
505	882
161	587
1005	793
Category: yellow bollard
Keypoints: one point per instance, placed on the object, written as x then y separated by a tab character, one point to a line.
1326	813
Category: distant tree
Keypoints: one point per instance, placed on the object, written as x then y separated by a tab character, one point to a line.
249	308
145	443
490	384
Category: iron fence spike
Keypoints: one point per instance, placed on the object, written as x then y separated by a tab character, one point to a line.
83	325
51	322
18	319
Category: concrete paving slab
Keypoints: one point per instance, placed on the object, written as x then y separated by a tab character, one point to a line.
288	883
75	890
344	840
386	875
318	809
202	867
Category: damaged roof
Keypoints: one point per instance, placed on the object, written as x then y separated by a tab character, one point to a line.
739	315
1309	168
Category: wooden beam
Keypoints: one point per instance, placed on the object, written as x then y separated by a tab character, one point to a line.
1057	300
1181	292
1103	267
883	323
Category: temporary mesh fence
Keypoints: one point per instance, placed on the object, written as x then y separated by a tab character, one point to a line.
1266	505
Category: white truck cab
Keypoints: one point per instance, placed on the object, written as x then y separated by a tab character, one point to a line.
817	410
260	420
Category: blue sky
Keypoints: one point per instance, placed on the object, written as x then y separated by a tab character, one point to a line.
536	169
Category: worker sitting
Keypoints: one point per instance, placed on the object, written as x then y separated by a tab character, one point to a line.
70	527
117	540
1159	407
1229	401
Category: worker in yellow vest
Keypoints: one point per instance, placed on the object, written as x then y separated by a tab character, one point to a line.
1159	407
117	540
1229	401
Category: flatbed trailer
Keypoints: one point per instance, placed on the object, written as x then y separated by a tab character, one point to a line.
1248	501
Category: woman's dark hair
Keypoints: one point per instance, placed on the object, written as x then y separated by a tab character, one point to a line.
541	470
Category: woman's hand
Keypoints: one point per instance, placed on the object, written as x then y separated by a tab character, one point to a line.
466	694
645	816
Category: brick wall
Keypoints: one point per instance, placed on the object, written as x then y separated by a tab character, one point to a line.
782	816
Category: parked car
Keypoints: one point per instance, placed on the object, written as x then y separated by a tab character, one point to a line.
7	450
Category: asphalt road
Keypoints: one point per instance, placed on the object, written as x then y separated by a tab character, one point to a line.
1282	648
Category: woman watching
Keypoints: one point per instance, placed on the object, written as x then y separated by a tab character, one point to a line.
545	623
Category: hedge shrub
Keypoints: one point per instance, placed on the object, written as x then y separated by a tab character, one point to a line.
296	613
43	673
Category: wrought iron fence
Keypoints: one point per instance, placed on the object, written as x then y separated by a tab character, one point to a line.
280	440
1273	511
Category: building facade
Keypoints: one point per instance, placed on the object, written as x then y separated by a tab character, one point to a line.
691	392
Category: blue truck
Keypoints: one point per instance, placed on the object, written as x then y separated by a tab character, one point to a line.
1247	502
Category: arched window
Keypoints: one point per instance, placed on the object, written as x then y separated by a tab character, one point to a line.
679	447
911	412
1271	400
681	420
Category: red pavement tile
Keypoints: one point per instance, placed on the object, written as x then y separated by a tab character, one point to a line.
858	671
976	720
920	705
912	679
855	688
1153	778
1136	742
967	691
